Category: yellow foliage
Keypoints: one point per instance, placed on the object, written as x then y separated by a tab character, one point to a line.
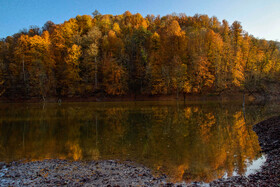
188	112
174	29
240	127
75	151
116	28
74	54
205	127
187	87
114	78
111	34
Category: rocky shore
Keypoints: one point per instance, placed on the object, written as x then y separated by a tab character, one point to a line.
113	173
61	172
268	132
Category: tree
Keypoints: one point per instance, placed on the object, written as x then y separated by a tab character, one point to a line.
114	77
153	72
35	64
96	13
90	64
2	77
84	23
114	74
71	77
174	54
49	26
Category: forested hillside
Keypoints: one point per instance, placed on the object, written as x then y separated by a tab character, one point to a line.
133	55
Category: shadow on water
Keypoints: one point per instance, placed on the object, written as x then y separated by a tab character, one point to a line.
189	142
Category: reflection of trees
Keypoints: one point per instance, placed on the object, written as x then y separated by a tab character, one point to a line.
194	142
222	145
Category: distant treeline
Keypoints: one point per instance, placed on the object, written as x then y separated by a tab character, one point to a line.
131	55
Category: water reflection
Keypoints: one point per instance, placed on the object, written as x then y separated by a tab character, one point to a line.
190	142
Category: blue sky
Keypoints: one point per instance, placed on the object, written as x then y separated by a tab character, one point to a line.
258	17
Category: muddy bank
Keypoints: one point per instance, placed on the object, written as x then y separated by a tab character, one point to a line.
268	132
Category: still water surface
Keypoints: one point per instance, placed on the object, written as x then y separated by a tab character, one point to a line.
188	142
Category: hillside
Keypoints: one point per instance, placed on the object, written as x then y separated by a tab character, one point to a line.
133	55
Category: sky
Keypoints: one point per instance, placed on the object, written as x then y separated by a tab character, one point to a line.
260	18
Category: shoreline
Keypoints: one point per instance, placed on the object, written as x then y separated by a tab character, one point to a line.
238	96
268	132
116	173
55	172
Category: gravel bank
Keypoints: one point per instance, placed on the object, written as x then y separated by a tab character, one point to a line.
268	132
61	172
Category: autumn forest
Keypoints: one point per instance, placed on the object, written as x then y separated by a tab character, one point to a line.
133	55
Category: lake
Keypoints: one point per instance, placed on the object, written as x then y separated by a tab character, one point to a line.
195	141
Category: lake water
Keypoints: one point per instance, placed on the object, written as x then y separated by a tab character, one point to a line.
188	142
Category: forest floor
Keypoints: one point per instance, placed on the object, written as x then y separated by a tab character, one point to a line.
114	173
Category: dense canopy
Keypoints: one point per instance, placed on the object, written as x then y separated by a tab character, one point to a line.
131	55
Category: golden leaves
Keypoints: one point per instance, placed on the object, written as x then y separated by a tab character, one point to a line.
115	77
74	54
174	29
75	151
174	54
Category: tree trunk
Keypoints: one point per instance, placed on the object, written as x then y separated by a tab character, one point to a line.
95	76
23	69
